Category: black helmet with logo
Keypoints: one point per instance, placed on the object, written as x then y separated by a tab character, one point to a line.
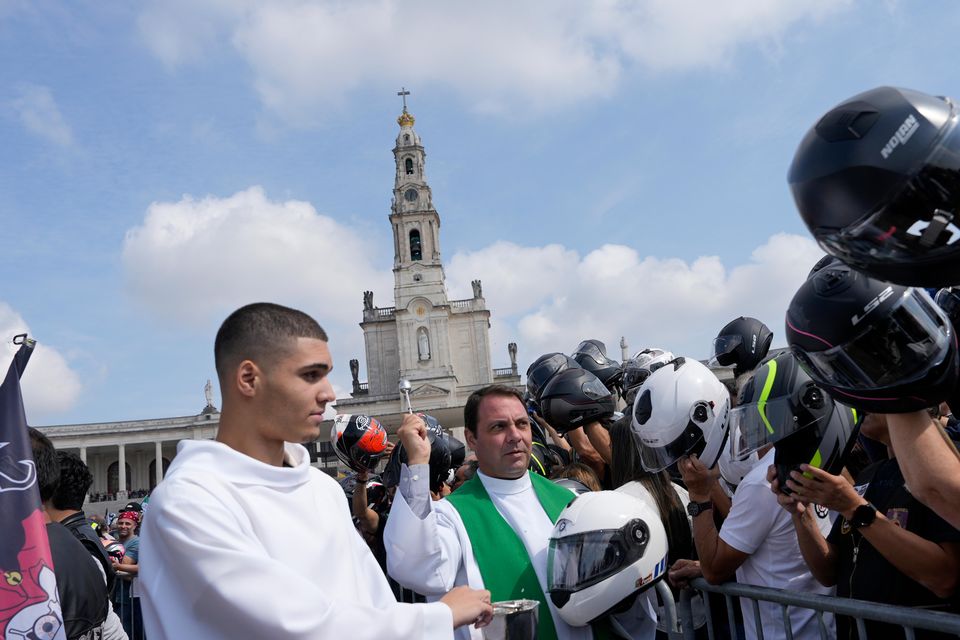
544	368
592	356
743	343
877	182
358	440
574	398
873	345
781	405
439	457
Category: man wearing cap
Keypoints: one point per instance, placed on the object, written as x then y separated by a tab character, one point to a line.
126	606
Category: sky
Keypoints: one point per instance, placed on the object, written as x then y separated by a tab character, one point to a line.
607	169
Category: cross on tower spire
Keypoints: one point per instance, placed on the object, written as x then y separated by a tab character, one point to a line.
403	93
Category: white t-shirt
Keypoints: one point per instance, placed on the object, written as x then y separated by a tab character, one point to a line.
759	526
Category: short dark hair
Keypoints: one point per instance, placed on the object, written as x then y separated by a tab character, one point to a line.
260	332
472	408
580	472
48	467
75	481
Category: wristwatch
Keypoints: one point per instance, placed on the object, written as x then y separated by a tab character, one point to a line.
863	516
696	508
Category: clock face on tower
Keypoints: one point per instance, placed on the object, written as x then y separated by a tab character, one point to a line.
410	194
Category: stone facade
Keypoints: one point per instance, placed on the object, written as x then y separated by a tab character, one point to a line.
441	346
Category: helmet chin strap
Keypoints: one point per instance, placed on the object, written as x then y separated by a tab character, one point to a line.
936	227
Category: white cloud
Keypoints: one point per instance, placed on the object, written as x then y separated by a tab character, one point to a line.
499	56
39	114
198	258
548	299
49	385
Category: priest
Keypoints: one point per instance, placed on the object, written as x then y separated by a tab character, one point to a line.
493	532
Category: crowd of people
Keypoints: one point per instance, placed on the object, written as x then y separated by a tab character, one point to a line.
108	496
95	565
827	468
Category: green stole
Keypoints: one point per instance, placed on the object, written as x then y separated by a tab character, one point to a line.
503	561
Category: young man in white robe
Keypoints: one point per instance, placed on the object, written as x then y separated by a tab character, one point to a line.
244	539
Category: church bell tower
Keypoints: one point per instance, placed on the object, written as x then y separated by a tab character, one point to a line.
441	346
417	269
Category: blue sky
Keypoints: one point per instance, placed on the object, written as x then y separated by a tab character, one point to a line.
607	169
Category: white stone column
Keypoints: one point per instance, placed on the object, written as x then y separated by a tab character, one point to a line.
83	454
159	473
122	470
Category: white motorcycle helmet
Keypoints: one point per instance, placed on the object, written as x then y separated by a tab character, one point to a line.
638	368
606	547
680	410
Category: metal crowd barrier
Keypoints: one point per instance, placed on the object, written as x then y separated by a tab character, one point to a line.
860	610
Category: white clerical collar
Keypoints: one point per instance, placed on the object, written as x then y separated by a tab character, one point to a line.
503	486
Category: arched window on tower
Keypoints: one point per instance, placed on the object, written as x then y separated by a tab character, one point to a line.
408	163
416	252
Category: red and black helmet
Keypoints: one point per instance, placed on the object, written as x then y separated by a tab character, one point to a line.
359	441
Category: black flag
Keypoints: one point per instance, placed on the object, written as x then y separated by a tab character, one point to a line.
29	605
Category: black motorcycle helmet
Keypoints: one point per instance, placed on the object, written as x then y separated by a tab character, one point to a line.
458	452
544	368
543	459
358	440
948	299
575	397
781	405
439	457
873	345
592	356
877	182
821	263
743	343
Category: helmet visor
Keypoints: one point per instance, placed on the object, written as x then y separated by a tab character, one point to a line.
922	222
892	350
724	345
582	560
755	425
591	349
538	376
948	299
657	457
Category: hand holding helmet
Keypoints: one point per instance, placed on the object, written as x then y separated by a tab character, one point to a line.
782	406
680	410
425	435
413	436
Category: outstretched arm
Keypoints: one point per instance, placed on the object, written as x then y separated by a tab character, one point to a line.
929	462
719	560
368	519
423	547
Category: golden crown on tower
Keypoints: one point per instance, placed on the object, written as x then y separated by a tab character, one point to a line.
405	119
